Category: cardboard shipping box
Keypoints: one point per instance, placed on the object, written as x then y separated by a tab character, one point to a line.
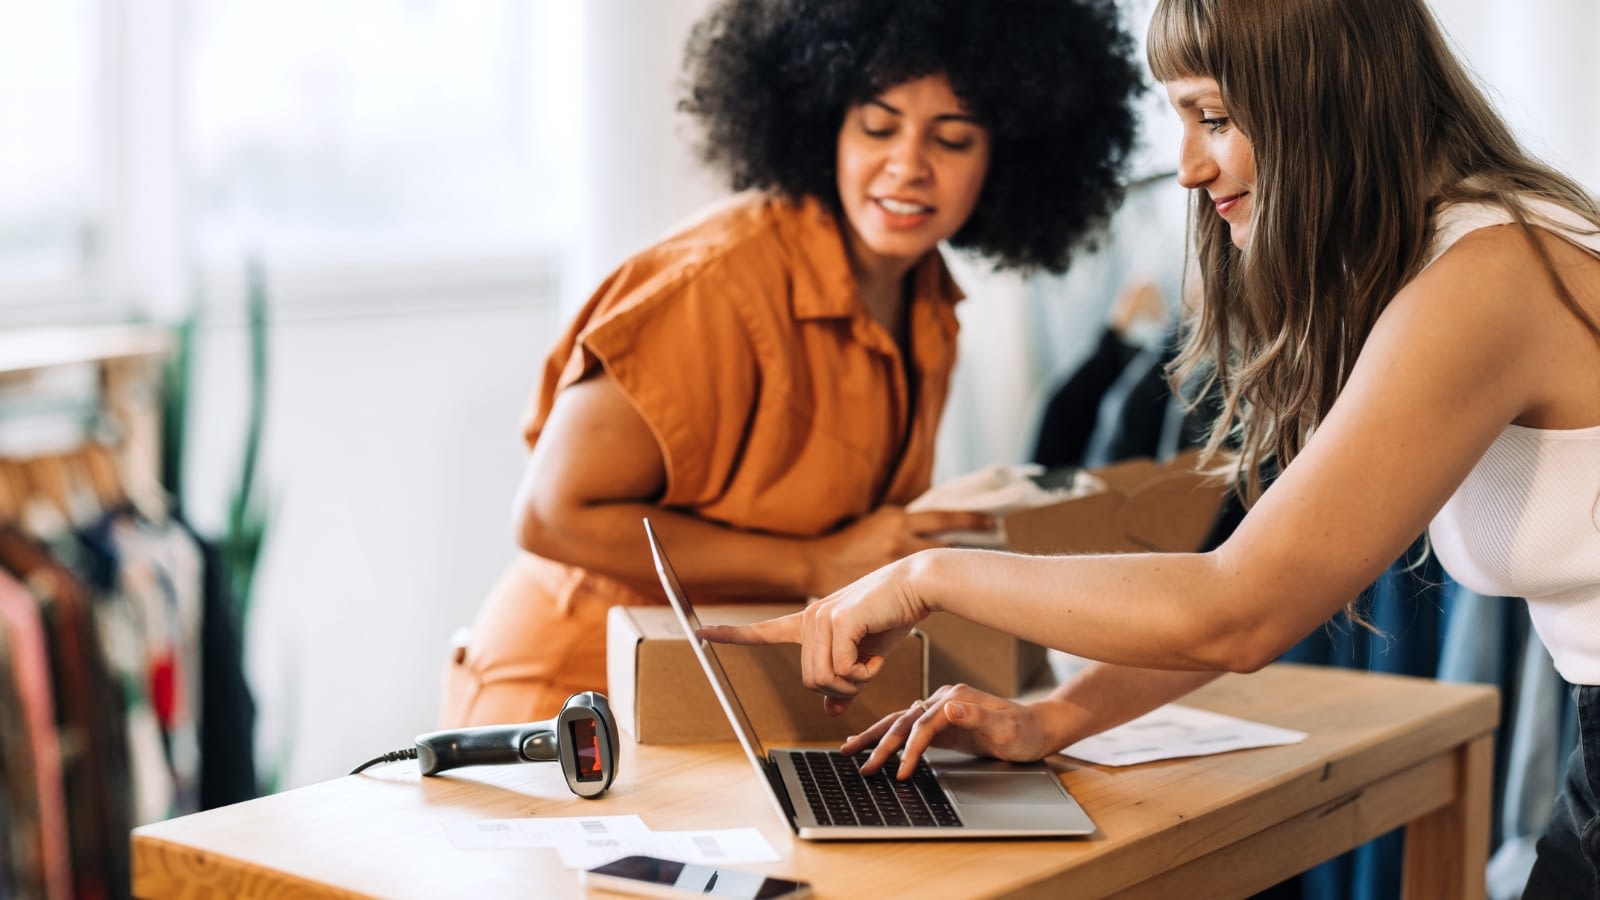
1144	506
965	652
660	695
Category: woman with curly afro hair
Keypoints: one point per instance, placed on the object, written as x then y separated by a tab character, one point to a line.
766	384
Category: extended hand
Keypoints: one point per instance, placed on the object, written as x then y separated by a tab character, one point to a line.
844	638
961	718
883	536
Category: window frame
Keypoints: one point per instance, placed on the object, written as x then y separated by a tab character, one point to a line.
142	264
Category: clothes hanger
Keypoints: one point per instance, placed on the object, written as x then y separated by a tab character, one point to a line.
54	506
47	478
15	482
85	501
99	464
10	503
115	491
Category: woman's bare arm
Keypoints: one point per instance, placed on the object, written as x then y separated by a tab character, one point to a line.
596	471
1462	352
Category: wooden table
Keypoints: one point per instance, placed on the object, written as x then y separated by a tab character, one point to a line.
1383	751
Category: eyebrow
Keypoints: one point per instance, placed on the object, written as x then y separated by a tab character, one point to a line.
1197	98
942	117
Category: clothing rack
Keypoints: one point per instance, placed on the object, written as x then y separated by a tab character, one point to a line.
128	359
119	660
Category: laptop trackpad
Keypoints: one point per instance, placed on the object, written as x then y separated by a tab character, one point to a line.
1009	799
973	789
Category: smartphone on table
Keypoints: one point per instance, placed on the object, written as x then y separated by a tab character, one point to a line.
652	877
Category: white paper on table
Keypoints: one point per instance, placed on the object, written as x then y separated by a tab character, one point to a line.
505	834
713	848
1175	731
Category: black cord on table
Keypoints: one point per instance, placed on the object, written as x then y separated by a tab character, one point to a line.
395	756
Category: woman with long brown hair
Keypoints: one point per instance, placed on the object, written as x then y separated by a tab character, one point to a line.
1400	308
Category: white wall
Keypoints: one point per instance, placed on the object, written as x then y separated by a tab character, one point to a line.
391	450
392	442
639	176
1537	60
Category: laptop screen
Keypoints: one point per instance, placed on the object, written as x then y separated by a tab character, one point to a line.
707	652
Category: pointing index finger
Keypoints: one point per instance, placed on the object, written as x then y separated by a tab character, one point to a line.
782	630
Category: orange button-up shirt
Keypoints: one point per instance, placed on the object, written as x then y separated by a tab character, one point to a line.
779	403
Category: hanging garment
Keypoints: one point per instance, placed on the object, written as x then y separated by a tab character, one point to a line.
30	667
149	576
89	718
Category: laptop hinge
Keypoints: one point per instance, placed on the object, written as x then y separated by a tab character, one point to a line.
781	792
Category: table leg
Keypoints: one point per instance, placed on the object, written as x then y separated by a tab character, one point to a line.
1447	850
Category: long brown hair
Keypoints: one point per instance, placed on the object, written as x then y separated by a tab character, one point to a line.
1363	125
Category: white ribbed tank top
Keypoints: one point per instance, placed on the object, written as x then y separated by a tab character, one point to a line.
1526	522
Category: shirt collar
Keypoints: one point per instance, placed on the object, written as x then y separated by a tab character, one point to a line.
824	287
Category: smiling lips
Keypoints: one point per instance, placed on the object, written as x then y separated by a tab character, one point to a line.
903	208
1224	204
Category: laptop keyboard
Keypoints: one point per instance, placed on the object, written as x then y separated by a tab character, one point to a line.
840	795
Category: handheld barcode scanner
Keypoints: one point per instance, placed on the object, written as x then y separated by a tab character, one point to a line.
583	738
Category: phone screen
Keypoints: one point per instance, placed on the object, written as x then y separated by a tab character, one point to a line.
690	879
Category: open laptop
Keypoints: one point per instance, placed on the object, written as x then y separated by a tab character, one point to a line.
823	795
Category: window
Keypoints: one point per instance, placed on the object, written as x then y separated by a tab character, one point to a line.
154	146
375	130
50	213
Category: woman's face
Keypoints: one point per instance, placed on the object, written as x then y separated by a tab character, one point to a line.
910	168
1215	155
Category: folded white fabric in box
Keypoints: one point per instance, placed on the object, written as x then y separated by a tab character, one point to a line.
999	489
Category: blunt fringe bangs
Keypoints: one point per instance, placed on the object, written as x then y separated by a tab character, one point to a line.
1179	44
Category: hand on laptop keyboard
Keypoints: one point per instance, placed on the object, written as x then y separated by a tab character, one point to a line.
961	718
839	794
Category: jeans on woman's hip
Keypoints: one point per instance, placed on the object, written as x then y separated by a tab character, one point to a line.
1568	864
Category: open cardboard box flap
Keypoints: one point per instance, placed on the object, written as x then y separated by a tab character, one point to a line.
1146	505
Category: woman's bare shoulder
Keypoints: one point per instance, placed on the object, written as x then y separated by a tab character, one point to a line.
1492	298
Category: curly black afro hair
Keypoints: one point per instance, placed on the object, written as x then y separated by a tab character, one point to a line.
769	82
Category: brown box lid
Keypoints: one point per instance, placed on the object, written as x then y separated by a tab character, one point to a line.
1146	506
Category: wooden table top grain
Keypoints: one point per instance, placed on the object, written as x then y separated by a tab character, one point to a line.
1382	751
